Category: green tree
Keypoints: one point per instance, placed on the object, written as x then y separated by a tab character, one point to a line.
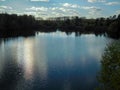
109	76
114	28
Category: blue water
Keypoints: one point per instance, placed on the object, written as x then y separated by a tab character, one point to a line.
51	61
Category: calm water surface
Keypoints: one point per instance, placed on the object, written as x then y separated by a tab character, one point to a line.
52	61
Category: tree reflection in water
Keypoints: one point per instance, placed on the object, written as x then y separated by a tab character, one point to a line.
109	76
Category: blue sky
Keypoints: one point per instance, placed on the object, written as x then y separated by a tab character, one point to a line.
57	8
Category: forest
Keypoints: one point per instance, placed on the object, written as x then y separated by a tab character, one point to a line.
25	25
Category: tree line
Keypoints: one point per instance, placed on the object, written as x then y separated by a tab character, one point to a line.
16	25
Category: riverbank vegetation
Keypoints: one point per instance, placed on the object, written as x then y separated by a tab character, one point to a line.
17	25
109	76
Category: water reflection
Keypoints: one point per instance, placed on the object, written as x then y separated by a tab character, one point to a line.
10	72
55	34
28	58
51	62
41	58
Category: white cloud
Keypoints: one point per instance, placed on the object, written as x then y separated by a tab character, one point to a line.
91	8
29	13
92	11
40	0
70	5
46	12
37	9
58	12
63	10
57	9
5	7
92	1
117	12
2	0
112	3
54	8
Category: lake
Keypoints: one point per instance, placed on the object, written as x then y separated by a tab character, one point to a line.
51	61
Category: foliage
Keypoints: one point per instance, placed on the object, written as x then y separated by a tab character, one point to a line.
110	68
12	24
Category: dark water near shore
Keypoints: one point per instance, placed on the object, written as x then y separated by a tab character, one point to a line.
51	61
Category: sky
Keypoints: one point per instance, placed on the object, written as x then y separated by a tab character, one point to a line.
59	8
